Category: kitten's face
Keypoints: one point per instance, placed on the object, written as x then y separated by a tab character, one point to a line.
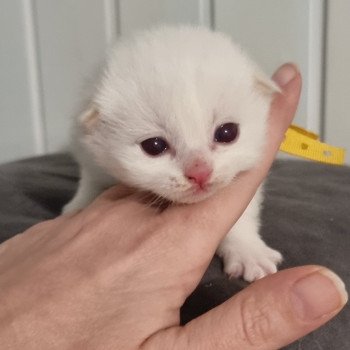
179	113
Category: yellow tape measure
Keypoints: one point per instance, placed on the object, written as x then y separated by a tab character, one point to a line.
306	144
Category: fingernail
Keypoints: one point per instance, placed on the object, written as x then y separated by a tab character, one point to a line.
285	74
319	294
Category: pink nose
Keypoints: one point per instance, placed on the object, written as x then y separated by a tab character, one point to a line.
199	172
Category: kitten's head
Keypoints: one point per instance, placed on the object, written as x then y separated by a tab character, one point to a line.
179	112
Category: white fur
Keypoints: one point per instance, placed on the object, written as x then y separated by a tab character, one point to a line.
180	84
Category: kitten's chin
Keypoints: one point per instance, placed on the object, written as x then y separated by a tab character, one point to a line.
191	198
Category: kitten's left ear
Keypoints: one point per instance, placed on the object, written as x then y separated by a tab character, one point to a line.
88	119
265	85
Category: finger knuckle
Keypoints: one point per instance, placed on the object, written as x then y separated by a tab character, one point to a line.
255	322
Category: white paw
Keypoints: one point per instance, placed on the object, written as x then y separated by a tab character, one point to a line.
251	263
70	207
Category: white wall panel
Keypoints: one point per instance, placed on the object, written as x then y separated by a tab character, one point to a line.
51	51
16	128
73	37
141	14
72	43
337	108
278	31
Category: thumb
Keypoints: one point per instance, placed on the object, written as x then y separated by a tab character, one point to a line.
269	314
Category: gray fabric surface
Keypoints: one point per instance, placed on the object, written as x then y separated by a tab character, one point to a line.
305	216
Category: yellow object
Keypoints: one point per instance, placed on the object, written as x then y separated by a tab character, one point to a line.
306	144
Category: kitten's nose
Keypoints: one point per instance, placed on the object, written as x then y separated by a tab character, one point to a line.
199	172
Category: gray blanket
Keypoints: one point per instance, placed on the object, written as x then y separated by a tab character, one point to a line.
305	216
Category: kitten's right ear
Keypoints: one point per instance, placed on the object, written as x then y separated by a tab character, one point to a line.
89	119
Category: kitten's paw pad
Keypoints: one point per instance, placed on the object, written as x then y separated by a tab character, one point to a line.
252	265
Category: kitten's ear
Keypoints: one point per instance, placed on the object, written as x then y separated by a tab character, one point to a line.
89	119
265	85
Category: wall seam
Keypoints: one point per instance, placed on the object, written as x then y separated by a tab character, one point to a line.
324	70
212	14
35	77
315	66
111	26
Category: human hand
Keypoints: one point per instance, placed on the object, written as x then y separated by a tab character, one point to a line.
115	275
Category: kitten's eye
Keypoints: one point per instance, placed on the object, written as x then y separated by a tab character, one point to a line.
154	146
226	133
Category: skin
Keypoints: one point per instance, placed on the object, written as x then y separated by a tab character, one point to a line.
114	275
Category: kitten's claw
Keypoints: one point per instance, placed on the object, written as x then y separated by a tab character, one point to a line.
251	264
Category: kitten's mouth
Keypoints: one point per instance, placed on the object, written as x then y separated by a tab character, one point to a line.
196	194
200	189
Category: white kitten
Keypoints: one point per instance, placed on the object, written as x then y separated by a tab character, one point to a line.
180	112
